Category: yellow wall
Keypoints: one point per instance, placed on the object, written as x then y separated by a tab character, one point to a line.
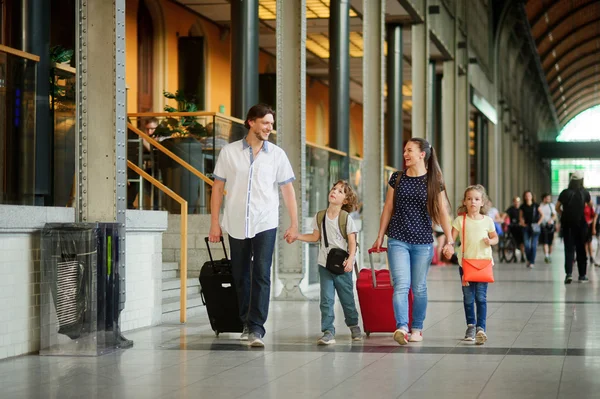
178	22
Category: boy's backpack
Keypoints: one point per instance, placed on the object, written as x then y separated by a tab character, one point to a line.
342	222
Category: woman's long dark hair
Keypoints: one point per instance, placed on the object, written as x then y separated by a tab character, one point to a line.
435	180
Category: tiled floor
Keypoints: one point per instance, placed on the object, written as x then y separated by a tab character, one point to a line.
544	342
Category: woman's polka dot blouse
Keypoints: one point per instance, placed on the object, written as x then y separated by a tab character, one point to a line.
410	222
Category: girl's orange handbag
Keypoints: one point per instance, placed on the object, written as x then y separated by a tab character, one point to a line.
475	270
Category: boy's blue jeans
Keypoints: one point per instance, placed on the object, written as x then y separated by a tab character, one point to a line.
409	264
343	284
475	294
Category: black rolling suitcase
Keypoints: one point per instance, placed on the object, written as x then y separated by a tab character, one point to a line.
219	295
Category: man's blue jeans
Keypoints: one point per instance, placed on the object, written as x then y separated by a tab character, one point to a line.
251	260
343	284
475	294
409	264
531	243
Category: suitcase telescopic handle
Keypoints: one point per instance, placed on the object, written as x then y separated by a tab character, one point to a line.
210	254
375	250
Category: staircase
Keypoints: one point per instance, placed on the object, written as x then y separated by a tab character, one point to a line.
171	290
198	226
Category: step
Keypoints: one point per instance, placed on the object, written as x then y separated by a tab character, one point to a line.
170	266
176	293
172	304
175	283
167	274
173	316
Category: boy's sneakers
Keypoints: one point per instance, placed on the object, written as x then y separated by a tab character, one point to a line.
416	336
255	340
356	333
568	279
326	339
480	337
583	279
245	332
470	333
401	336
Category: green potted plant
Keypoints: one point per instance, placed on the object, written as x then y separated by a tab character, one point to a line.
182	136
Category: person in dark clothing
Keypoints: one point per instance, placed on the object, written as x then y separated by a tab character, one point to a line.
530	218
515	228
570	206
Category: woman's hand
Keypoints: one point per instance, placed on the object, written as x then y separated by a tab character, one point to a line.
448	251
377	244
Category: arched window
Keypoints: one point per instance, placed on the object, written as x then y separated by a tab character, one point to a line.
145	36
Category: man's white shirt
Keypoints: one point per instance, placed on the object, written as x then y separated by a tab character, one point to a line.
252	200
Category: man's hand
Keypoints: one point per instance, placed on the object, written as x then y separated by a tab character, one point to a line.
214	235
348	263
291	234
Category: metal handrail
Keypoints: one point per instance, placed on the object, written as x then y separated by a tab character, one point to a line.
184	224
170	154
184	114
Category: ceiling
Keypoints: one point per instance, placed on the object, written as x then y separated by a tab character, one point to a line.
317	28
567	37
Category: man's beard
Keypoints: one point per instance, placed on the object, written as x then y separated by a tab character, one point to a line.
259	136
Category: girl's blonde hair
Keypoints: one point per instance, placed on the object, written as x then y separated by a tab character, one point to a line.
484	198
351	198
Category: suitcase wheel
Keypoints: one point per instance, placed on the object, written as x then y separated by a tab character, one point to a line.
368	333
217	333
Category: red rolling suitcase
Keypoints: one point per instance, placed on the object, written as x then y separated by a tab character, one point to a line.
375	292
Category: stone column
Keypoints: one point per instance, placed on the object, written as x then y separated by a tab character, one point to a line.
421	125
449	117
461	140
395	145
102	118
291	128
373	105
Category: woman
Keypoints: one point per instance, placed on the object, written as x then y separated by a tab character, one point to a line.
530	219
548	225
570	206
415	198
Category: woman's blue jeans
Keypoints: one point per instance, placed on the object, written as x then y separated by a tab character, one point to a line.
531	243
409	264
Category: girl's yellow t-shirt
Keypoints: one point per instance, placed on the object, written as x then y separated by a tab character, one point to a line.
476	230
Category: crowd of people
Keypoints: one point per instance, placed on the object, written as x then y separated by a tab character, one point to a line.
253	170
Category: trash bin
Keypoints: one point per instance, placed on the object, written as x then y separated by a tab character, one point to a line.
79	289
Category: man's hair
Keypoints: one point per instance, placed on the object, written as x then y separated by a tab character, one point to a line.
256	112
152	119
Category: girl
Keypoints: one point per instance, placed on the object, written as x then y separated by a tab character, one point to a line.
480	236
342	201
414	199
530	218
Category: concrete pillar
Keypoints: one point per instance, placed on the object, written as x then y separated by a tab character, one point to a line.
461	140
494	154
244	56
421	125
394	94
515	162
291	127
373	105
339	80
449	116
101	118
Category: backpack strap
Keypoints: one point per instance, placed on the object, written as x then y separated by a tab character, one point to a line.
320	217
342	223
399	175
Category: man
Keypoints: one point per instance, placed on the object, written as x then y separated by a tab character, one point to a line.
252	168
515	229
570	207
